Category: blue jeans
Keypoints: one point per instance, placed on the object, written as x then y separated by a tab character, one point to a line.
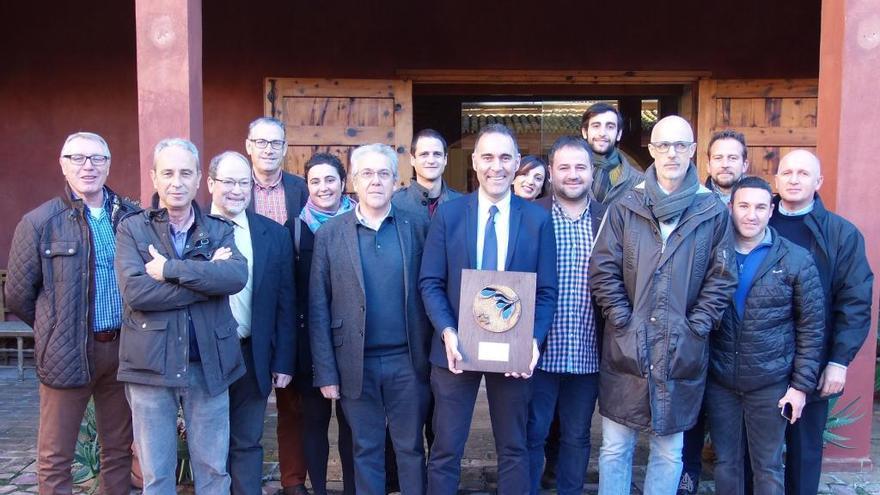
154	422
615	461
728	410
575	396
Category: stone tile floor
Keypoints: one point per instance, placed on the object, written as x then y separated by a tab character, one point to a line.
19	409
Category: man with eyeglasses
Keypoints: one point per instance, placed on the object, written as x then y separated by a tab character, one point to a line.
62	282
280	195
369	331
663	272
264	311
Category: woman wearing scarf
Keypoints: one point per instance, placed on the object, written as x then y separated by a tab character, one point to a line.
325	177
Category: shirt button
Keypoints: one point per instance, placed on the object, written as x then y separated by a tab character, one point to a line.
48	251
143	325
652	367
178	375
653	319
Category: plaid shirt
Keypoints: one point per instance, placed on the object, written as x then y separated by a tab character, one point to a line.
107	304
269	201
571	343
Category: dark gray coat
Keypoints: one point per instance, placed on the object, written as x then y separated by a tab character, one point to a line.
781	334
154	344
414	198
337	303
659	306
50	279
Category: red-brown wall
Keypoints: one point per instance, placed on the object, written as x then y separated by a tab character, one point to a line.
68	66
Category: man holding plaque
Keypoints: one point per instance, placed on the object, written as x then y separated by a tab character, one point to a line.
663	272
487	230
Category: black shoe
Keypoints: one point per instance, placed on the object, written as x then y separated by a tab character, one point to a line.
293	490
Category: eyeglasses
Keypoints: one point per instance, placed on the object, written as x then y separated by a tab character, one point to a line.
80	160
678	146
230	184
368	174
276	144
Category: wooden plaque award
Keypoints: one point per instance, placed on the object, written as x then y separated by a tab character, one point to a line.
496	321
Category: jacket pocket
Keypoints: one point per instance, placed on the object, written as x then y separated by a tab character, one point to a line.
688	350
228	348
338	336
143	346
60	257
624	349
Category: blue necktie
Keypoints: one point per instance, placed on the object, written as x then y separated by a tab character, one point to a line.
490	243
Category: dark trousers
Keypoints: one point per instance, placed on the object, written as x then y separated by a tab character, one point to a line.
247	409
454	399
803	455
316	420
61	413
575	396
728	411
291	455
692	455
392	484
393	394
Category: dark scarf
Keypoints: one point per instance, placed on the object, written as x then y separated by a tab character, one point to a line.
668	207
602	167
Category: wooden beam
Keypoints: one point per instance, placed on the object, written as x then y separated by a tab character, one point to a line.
463	76
777	136
766	88
359	88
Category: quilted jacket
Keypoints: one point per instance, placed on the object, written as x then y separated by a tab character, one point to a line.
781	334
50	280
156	316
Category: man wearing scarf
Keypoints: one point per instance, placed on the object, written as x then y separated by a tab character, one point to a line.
613	175
662	270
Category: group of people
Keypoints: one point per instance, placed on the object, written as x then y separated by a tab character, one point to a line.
674	305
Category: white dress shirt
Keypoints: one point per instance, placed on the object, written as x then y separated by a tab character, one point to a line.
502	228
240	302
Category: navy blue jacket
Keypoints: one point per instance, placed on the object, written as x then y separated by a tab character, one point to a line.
273	302
451	246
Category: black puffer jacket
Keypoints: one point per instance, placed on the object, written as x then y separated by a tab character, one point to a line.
781	333
838	249
49	283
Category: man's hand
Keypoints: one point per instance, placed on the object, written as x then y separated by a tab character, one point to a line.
450	340
832	380
797	399
222	254
156	265
330	391
535	355
280	380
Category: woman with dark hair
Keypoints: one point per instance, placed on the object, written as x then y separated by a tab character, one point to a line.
325	178
530	181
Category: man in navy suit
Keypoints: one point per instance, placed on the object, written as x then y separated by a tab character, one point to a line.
264	311
490	229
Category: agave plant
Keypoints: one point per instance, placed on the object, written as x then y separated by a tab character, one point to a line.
844	416
86	455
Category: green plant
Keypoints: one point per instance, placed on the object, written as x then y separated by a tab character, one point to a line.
844	416
86	455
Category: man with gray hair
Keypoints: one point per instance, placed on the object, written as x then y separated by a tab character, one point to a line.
264	311
369	331
75	319
179	346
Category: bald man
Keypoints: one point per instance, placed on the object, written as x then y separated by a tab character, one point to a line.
838	248
662	270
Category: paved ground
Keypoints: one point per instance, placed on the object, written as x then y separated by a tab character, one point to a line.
19	405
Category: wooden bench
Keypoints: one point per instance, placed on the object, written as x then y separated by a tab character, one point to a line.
17	330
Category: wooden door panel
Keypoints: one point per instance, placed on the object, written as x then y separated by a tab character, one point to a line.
775	115
337	115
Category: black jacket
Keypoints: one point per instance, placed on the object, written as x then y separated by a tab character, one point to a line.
838	249
780	336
